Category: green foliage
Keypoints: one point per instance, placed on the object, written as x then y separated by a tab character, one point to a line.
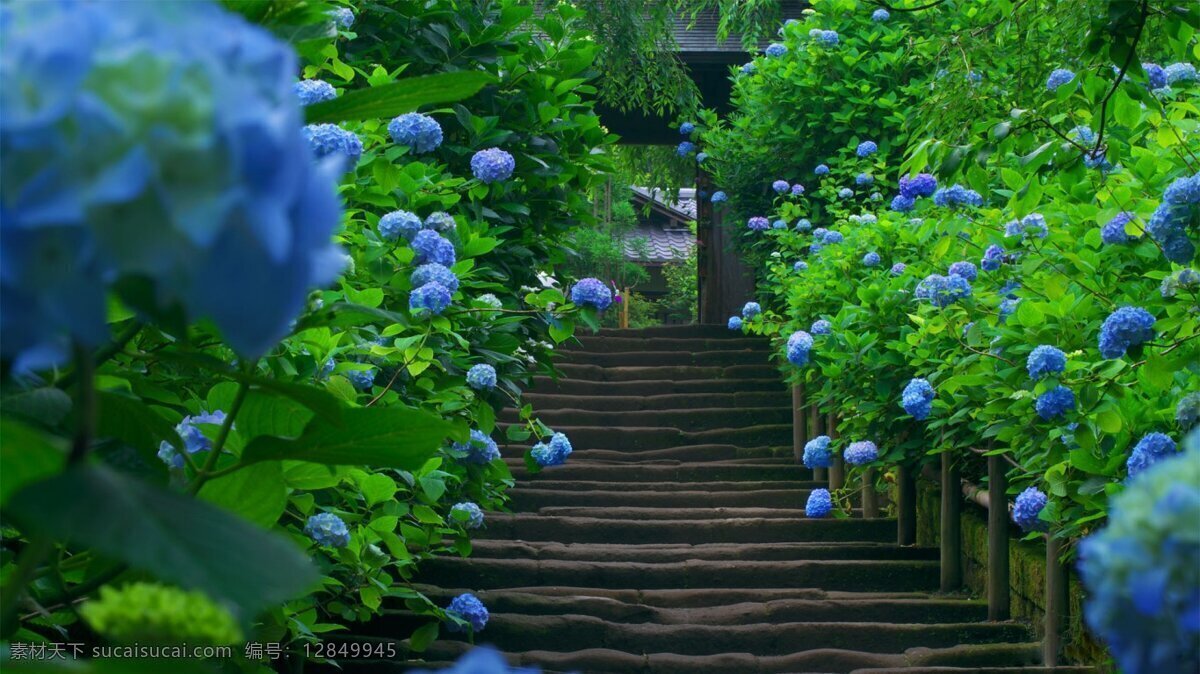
152	614
680	302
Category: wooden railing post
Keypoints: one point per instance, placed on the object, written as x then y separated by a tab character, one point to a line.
998	577
951	525
1056	603
870	501
799	422
816	422
837	471
906	505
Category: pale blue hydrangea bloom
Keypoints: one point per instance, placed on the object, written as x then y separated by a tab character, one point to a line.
342	16
591	292
1178	73
362	380
479	449
864	179
430	246
492	165
1030	225
470	511
758	224
719	197
942	291
776	50
440	221
1045	360
798	347
700	157
819	504
866	148
399	224
686	129
898	268
957	196
328	529
420	132
800	265
803	224
194	440
993	257
332	140
780	186
685	148
434	273
735	323
314	91
964	269
917	398
861	453
1149	450
1187	413
880	15
817	453
797	189
821	170
481	377
1059	77
902	204
553	453
871	259
845	193
750	310
821	327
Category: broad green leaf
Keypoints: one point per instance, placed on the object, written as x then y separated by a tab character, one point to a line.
305	475
393	99
176	538
424	636
377	488
255	492
47	406
26	455
133	422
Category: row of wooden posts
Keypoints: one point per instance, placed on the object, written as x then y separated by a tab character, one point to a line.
809	422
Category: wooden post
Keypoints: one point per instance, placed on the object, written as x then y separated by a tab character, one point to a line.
870	500
906	505
951	526
998	577
799	423
816	422
626	299
837	472
1056	603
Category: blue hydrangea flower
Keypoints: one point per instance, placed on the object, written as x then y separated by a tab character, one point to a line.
898	268
686	129
479	449
1125	328
1184	278
719	197
1027	507
749	68
314	91
481	377
1177	73
700	157
821	170
1169	224
800	265
845	193
194	440
866	148
467	607
821	327
430	246
817	453
1045	360
1185	190
331	139
553	453
430	299
685	148
1033	224
803	225
942	291
797	189
1152	448
974	78
1082	135
798	347
829	38
880	15
362	380
779	224
750	310
1059	77
590	292
780	186
1140	571
342	16
917	398
957	196
328	529
871	259
920	185
326	369
470	511
735	323
440	221
172	177
1156	75
819	504
434	273
776	49
1096	159
861	453
1187	413
902	204
993	257
399	224
420	132
492	165
864	179
758	223
832	237
1007	307
964	269
1055	403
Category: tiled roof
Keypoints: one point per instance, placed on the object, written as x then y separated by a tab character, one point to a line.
684	206
648	243
701	36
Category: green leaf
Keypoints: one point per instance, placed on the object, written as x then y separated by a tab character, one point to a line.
255	492
305	475
424	636
374	436
397	98
134	423
174	537
26	455
1109	421
46	406
377	488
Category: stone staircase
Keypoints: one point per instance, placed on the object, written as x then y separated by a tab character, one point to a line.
675	542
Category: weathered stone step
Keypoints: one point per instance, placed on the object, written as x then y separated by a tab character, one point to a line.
824	660
682	454
691	331
544	402
547	481
654	387
591	344
668	372
662	437
683	419
533	497
669	472
654	553
657	513
857	575
687	598
530	527
675	358
979	670
863	607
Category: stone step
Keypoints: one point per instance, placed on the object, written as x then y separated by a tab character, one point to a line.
824	660
530	527
834	607
659	552
695	419
675	358
544	402
979	670
591	344
653	513
547	481
662	437
597	373
691	331
684	454
654	387
534	497
665	472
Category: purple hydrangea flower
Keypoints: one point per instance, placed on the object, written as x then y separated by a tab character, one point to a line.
797	189
492	165
758	223
780	186
898	268
920	185
993	257
591	292
1156	75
